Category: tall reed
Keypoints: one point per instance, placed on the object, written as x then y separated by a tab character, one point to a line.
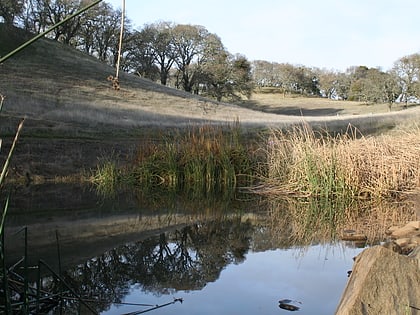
302	162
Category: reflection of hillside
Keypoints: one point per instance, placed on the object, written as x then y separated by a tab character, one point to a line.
185	259
89	225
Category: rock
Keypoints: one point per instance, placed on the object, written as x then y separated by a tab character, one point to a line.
406	237
352	235
382	282
394	246
402	242
409	230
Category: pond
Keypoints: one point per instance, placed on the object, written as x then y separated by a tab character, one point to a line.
133	252
312	278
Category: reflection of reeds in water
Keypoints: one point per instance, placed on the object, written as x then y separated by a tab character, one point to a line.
309	220
333	183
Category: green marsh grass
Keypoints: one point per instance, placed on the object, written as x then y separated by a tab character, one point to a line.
203	158
206	158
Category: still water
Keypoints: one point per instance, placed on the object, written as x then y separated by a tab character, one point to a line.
313	278
219	256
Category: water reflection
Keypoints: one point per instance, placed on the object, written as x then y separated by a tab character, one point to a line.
205	262
221	255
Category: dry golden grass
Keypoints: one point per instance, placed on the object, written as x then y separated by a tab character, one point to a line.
383	167
65	88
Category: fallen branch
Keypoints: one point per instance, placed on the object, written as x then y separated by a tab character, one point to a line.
154	308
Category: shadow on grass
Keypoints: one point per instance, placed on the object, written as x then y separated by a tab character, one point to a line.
291	110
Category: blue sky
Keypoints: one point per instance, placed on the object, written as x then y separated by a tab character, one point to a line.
332	34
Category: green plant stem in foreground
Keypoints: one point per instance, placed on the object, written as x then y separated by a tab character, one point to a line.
6	164
31	41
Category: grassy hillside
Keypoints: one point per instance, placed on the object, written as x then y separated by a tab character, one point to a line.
74	116
59	88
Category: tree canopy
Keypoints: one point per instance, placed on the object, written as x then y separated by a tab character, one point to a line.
191	58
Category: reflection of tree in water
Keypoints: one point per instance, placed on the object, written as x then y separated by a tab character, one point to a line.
186	259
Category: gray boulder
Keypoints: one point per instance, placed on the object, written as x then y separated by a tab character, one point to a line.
382	282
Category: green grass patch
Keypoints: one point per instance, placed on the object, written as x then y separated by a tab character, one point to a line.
200	159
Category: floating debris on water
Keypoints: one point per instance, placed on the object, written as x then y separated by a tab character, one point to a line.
288	305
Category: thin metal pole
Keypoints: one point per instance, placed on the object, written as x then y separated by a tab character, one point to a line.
29	42
121	39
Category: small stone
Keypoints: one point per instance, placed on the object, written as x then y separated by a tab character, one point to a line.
405	231
414	224
393	246
402	242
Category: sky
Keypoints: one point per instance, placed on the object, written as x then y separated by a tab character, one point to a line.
330	34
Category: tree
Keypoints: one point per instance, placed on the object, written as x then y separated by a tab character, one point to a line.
263	73
407	69
188	47
327	80
10	9
94	23
212	69
102	32
342	86
296	79
286	73
391	88
140	57
163	48
49	12
242	76
126	42
154	50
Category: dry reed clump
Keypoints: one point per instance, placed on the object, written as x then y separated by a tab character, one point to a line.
304	163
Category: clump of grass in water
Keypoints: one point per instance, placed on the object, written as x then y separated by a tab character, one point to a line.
303	164
336	176
200	159
107	177
348	166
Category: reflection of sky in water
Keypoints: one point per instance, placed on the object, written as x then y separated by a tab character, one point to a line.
316	277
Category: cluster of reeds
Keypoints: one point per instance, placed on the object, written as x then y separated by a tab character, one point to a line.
4	288
202	158
324	183
302	162
107	177
205	158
